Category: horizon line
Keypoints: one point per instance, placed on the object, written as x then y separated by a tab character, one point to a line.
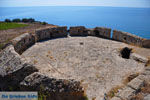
75	6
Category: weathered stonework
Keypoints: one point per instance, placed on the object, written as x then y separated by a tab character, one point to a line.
146	43
138	58
127	38
102	32
13	69
54	89
50	33
78	31
22	42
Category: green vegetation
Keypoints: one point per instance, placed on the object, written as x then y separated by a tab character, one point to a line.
7	25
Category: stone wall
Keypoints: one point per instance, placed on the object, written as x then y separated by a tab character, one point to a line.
78	31
146	44
102	32
18	75
22	42
54	89
50	33
13	69
127	38
98	31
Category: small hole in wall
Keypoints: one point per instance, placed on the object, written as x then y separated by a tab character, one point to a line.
125	52
96	32
125	38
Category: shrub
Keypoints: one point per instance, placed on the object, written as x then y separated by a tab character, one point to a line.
31	20
25	20
16	20
43	23
7	20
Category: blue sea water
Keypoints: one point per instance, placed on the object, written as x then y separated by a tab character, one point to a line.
133	20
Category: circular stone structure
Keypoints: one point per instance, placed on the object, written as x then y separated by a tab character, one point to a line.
93	61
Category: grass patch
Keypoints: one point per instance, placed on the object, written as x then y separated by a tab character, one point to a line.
5	25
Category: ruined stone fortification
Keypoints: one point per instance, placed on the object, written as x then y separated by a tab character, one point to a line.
17	74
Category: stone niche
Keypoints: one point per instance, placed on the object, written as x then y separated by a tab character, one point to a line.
49	33
23	42
102	32
78	31
127	38
146	44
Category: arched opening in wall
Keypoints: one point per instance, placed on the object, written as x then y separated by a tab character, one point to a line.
96	32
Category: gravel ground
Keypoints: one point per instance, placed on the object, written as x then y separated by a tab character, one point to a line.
93	61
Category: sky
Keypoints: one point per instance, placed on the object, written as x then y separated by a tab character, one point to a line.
116	3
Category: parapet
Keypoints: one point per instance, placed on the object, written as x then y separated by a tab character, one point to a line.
102	32
127	38
98	31
50	33
78	31
146	43
22	42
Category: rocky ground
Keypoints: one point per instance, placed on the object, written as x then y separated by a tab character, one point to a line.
95	62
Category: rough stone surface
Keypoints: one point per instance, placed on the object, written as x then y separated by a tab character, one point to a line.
136	83
13	69
115	98
58	89
22	42
126	93
102	32
147	97
99	67
138	58
146	43
78	31
127	38
50	33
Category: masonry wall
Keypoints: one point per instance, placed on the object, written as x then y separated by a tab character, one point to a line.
22	42
102	32
127	38
49	33
78	31
146	43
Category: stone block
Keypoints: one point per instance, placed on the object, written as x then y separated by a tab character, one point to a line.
78	31
103	32
54	89
126	93
59	32
138	58
136	83
127	38
146	43
13	69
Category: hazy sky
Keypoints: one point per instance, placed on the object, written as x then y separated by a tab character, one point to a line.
118	3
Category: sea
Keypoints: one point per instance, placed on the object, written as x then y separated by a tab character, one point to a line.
132	20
